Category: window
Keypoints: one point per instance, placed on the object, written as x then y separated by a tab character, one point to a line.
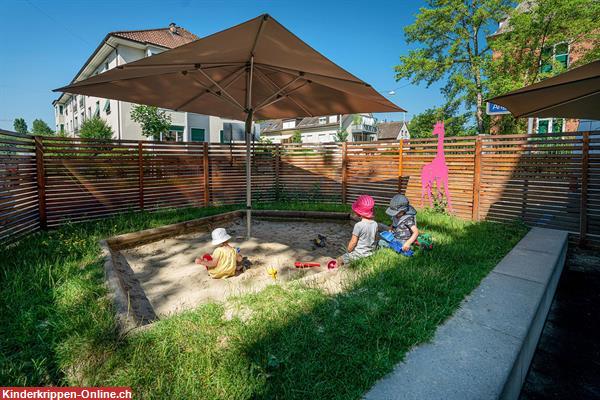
62	128
60	109
97	112
550	125
175	134
105	66
107	107
322	120
89	114
333	118
289	124
558	53
224	139
197	135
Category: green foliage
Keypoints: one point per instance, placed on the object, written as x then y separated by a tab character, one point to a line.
296	137
341	135
59	325
20	125
95	128
39	127
527	51
153	121
421	125
265	140
449	35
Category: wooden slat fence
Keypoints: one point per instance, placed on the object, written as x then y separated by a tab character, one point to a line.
545	180
19	201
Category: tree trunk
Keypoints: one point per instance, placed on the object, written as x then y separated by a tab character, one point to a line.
479	111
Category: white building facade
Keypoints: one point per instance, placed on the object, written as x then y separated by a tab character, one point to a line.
119	48
324	129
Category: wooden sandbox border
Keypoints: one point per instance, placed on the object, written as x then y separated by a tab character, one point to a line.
132	306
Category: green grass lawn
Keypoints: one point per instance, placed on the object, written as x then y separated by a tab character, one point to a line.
57	325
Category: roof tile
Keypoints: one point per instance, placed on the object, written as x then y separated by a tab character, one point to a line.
161	37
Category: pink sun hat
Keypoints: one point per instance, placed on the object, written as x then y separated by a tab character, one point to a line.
363	206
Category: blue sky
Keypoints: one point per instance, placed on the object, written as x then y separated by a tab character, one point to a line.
44	43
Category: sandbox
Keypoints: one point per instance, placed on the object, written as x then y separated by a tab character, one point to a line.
153	273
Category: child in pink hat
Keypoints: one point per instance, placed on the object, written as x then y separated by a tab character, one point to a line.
362	243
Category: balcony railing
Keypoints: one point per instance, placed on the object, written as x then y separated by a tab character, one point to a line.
356	128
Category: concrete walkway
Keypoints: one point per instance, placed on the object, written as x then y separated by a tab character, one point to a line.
484	350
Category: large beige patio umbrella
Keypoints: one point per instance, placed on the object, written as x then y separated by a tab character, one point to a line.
255	70
573	94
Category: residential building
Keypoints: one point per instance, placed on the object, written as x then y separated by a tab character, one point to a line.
394	130
116	49
564	53
323	129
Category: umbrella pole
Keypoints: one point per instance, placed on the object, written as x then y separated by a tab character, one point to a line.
248	175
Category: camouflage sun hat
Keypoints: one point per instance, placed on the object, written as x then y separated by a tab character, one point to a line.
398	203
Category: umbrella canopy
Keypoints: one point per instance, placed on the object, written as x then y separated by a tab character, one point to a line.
573	94
255	70
211	76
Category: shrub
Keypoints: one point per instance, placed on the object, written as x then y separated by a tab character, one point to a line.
95	128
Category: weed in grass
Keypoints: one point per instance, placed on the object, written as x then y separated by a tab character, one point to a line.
58	327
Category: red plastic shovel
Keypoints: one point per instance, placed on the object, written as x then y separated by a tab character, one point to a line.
306	264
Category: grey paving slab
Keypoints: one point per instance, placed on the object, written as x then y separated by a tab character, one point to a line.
528	264
469	349
504	303
543	240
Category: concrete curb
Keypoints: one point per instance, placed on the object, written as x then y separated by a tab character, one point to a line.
484	350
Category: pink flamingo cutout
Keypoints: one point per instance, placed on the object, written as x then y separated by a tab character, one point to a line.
436	172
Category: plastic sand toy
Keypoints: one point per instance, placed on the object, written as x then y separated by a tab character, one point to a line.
272	272
299	264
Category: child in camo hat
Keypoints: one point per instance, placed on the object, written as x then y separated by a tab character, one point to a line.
404	222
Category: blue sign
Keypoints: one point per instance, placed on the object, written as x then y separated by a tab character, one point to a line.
496	109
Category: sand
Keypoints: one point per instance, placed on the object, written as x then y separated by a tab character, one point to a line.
173	282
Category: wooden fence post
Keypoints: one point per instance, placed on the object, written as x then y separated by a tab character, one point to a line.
344	172
277	172
476	180
585	161
206	174
141	174
41	181
400	166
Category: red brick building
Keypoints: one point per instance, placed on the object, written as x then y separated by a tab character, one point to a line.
565	53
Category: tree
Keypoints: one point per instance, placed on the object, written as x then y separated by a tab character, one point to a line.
39	127
20	125
538	39
153	121
452	47
341	135
421	125
95	128
297	137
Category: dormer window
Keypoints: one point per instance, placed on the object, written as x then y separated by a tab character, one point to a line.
322	120
289	124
